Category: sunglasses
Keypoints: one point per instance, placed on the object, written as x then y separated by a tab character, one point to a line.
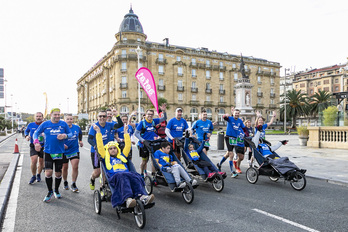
102	116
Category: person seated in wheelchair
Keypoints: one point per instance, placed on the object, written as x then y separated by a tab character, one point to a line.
195	157
128	185
167	164
264	147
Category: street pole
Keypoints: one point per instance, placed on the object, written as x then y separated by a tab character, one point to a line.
138	50
285	69
12	112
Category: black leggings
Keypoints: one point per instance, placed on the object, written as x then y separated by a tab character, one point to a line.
58	163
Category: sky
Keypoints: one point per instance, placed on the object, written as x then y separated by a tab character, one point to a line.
46	46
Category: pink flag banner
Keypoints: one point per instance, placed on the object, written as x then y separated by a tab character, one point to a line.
146	80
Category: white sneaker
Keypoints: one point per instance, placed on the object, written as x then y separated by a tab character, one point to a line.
194	182
147	198
130	202
182	185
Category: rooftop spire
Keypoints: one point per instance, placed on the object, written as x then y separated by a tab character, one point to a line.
131	10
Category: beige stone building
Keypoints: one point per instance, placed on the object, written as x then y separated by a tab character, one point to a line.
191	78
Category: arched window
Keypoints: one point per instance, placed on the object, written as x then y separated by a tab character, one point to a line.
221	113
194	114
209	113
124	110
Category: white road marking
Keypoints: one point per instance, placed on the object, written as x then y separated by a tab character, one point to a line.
286	221
10	214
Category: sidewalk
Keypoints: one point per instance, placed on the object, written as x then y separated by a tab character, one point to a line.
321	163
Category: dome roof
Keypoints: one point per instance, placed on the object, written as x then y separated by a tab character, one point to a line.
131	23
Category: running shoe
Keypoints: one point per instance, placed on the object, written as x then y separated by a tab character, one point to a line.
32	180
91	184
194	182
130	202
218	166
66	185
57	195
147	199
211	175
234	174
182	185
238	170
223	174
38	178
74	188
48	197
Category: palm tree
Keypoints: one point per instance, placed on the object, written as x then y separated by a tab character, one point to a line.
296	105
320	101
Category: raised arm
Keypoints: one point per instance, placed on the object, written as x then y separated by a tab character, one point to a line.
99	139
272	119
127	142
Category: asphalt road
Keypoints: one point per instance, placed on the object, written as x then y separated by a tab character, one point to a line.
264	206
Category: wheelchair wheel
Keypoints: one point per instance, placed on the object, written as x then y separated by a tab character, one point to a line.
252	175
298	182
188	194
139	214
97	201
218	183
148	185
274	179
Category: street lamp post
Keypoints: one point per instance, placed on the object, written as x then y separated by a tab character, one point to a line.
285	69
12	112
138	51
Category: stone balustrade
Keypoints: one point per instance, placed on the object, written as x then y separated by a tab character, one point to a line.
328	137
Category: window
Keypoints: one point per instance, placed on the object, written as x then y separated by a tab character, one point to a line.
207	74
193	61
272	90
180	71
259	79
138	39
336	81
124	53
124	80
193	97
179	83
193	84
124	66
336	88
124	110
272	101
272	81
124	93
221	98
311	91
302	85
311	84
319	83
141	94
207	98
160	70
235	76
207	63
233	65
271	70
207	85
160	57
221	64
259	101
194	73
259	69
161	82
178	58
124	39
327	89
246	67
221	76
140	65
160	95
326	82
180	96
221	87
259	89
194	114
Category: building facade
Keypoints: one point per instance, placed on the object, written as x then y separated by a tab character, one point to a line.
186	77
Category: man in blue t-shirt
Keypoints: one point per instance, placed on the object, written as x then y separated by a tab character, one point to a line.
35	156
119	135
146	130
106	128
202	126
56	132
175	129
234	124
72	153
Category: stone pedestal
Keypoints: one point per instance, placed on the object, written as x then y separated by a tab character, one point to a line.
243	99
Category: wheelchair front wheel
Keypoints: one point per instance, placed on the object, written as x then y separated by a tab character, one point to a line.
298	182
187	193
274	179
148	185
97	202
218	183
252	175
139	214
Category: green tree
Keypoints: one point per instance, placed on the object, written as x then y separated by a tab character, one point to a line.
319	102
161	101
330	116
83	123
296	105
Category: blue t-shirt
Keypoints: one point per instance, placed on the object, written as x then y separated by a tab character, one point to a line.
120	132
176	127
51	130
263	132
105	131
202	127
264	149
73	142
233	126
150	130
240	138
163	158
31	128
113	131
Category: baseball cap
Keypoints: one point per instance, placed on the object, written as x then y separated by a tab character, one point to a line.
178	109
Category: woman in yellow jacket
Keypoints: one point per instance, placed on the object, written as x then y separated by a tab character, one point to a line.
127	185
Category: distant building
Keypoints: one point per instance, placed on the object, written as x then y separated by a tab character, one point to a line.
191	78
2	92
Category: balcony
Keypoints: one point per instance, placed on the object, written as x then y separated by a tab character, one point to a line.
221	79
221	91
259	94
234	70
180	88
272	106
194	75
208	103
222	68
208	77
123	85
194	65
222	104
161	61
180	74
201	65
160	73
123	70
259	105
124	100
259	82
194	90
130	57
216	67
272	94
194	103
142	100
208	90
247	72
273	74
161	87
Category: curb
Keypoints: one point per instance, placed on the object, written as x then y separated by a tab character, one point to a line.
331	181
6	185
7	137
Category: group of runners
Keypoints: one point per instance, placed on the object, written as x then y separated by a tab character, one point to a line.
56	142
